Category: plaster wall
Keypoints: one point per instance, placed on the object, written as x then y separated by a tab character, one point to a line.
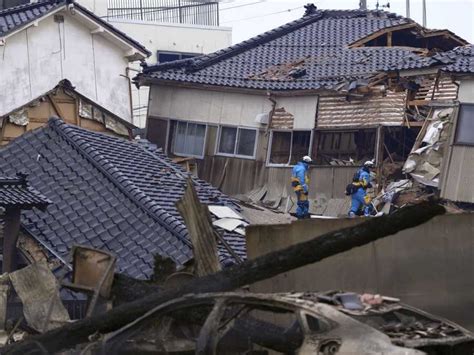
213	107
227	108
429	266
35	59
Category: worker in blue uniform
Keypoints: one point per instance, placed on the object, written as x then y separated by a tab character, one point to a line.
300	182
361	182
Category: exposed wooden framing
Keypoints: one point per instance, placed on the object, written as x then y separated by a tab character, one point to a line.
381	32
55	106
389	39
418	102
379	149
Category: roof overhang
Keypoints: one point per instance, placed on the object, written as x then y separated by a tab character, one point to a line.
131	51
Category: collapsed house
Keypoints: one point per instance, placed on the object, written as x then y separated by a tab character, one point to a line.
443	156
111	194
315	86
46	41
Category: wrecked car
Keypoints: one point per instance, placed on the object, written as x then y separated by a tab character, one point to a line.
300	323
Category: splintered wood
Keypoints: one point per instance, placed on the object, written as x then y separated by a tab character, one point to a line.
198	221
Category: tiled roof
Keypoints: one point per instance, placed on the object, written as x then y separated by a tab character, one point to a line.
16	192
458	60
317	42
16	17
108	193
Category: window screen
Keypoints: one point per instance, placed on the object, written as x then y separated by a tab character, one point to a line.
299	145
465	125
189	139
237	141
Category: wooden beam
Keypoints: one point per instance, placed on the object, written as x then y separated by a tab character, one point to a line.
97	30
56	107
389	39
251	271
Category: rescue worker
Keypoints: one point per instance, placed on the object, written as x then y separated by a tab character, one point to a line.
361	182
300	182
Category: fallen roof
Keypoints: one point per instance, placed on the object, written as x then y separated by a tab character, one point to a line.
459	60
111	194
15	18
17	193
307	54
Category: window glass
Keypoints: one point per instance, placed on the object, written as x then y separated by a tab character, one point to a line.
299	145
180	137
465	125
246	142
280	150
227	140
168	57
189	139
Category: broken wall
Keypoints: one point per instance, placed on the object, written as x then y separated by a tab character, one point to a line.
35	59
68	106
428	266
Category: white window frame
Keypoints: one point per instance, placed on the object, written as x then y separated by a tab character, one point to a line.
270	142
176	132
238	128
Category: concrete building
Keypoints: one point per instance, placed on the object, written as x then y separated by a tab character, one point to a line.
45	42
171	30
311	87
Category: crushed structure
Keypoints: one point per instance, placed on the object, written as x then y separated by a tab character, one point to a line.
319	86
111	194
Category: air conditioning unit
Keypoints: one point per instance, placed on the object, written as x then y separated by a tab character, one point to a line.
262	118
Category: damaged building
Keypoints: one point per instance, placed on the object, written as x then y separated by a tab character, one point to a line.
316	86
46	41
111	194
443	156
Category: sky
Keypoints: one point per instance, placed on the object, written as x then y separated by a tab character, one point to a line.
249	18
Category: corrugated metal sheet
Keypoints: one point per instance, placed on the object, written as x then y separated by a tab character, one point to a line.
337	111
446	89
281	119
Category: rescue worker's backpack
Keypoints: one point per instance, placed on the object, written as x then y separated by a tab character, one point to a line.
351	189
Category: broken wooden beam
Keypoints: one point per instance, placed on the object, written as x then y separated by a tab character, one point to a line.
198	222
249	272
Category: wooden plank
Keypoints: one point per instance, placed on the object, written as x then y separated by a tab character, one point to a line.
198	222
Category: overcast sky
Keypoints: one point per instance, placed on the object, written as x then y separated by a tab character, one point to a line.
249	18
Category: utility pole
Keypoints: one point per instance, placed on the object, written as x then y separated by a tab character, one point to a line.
424	13
408	8
363	4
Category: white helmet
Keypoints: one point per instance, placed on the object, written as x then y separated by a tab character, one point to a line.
369	163
307	159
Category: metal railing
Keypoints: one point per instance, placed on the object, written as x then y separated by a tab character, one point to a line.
193	12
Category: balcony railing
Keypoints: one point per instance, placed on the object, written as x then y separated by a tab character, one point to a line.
193	12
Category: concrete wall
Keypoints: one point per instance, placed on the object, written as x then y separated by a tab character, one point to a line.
34	60
457	181
429	267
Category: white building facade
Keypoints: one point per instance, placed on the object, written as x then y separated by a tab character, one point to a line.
59	41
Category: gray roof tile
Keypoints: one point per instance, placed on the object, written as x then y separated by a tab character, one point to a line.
321	40
116	203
